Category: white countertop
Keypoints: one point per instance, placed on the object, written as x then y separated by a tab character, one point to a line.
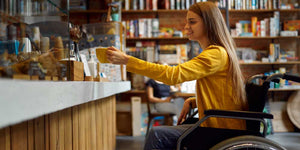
22	100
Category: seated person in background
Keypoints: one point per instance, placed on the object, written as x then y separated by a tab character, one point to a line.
164	101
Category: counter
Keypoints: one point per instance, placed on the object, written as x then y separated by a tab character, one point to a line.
42	114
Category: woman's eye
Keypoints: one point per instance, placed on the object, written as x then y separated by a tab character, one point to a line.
192	22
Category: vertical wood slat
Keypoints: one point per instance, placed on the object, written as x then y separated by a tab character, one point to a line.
99	125
30	134
2	139
61	132
8	138
47	132
114	121
54	140
5	143
75	125
105	124
88	126
39	133
110	124
82	127
68	129
19	136
93	125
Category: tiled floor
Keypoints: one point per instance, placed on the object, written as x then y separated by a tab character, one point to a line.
130	143
291	141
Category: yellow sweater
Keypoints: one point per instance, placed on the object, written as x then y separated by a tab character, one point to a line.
213	91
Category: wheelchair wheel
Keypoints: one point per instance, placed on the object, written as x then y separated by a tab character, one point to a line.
247	142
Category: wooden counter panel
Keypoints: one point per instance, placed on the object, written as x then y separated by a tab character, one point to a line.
89	126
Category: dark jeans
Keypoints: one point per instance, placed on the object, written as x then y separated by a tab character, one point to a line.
164	137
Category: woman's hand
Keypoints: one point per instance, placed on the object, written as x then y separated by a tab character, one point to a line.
168	99
185	110
115	56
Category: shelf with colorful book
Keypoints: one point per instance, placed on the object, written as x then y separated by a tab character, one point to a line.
270	63
268	42
268	37
259	30
161	40
263	10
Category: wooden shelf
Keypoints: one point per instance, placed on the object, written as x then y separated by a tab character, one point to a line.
181	11
154	11
129	11
158	38
170	40
288	88
87	11
271	63
263	10
268	37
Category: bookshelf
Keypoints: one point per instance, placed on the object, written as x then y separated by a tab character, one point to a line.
174	18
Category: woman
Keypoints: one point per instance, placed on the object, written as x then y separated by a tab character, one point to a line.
164	102
219	80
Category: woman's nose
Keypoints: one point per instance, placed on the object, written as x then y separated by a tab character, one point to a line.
186	27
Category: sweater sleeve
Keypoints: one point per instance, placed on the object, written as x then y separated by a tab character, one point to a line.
208	62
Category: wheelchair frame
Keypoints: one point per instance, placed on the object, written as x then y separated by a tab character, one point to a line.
236	141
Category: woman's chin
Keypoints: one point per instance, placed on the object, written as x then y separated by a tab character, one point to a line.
191	38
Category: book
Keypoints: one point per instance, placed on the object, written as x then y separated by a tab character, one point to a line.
253	25
291	25
77	5
172	4
178	4
262	28
141	24
267	26
141	5
258	28
154	4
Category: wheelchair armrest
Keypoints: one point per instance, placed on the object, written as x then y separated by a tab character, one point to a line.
233	113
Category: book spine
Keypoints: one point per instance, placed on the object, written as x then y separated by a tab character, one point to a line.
154	4
182	4
253	4
178	4
262	28
141	5
187	4
272	27
141	28
253	25
271	53
258	28
172	4
267	26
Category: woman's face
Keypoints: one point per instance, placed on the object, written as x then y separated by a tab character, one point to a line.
194	26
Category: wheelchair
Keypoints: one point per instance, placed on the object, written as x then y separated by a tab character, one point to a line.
253	138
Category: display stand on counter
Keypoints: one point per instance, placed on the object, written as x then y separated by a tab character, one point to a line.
48	101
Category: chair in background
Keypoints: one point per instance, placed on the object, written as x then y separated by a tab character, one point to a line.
168	117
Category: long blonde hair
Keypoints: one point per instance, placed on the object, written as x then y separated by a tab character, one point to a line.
218	34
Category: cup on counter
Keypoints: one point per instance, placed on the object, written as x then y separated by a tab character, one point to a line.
101	54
